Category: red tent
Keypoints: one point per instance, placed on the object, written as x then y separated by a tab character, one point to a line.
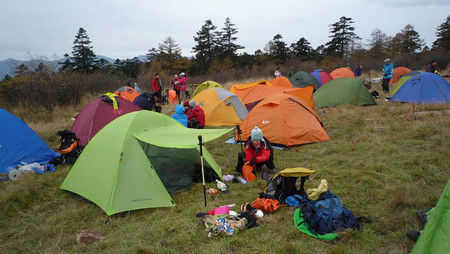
97	114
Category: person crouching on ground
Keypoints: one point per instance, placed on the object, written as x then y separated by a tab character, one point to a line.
259	152
147	101
180	116
196	116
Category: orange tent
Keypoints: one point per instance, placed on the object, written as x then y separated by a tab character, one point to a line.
285	120
253	95
342	73
248	85
398	72
281	81
127	93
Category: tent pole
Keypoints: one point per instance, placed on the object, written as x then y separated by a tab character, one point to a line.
203	169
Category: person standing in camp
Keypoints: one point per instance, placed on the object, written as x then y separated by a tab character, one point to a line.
291	73
358	70
259	152
157	84
183	86
432	67
147	101
176	86
180	116
196	116
277	73
388	73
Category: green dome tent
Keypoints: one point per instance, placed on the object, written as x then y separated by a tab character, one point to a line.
435	236
304	79
343	91
205	85
136	160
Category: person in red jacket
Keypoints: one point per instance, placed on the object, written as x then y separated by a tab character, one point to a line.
157	85
259	152
196	116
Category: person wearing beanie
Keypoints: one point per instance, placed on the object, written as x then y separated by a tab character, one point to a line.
187	108
388	73
259	152
196	116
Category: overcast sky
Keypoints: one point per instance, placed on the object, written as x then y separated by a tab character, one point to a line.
32	29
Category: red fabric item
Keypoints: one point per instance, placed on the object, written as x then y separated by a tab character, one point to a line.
261	156
198	114
183	83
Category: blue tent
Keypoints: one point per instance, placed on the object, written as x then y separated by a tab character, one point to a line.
19	143
424	87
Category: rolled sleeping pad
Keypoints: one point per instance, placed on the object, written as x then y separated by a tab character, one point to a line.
12	173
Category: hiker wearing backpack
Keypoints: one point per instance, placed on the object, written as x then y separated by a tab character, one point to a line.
258	152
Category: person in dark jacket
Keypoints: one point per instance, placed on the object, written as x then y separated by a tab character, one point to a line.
196	116
149	101
259	152
432	67
358	70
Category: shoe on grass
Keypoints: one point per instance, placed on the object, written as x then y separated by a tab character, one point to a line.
412	235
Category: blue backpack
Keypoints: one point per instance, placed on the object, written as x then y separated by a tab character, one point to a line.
328	215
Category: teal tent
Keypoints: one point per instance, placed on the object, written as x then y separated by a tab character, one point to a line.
138	159
343	91
304	79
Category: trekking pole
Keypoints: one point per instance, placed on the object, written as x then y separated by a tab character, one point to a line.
203	170
240	138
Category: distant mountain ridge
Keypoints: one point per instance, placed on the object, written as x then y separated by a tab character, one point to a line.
9	65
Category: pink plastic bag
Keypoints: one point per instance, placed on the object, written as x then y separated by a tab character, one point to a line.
220	210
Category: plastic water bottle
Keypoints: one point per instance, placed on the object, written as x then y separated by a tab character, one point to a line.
242	180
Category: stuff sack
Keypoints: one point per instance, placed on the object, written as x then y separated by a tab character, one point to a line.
266	204
247	172
328	214
69	147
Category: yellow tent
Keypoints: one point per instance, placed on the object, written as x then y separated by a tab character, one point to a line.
221	107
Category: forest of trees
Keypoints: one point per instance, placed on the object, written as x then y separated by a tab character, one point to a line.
216	56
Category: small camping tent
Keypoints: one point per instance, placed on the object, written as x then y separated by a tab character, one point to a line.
343	91
205	85
252	96
127	92
426	87
97	114
342	73
401	81
19	143
304	79
398	73
321	76
234	88
221	107
434	237
135	161
281	82
285	120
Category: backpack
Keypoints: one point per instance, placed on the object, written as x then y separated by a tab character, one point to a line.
328	215
69	147
280	187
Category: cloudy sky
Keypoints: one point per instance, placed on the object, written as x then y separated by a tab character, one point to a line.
32	29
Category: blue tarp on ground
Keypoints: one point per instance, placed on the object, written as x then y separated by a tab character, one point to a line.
19	143
424	88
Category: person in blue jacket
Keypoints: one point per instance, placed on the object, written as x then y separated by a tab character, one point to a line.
388	73
358	70
180	116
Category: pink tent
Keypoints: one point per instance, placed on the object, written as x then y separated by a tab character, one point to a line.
97	114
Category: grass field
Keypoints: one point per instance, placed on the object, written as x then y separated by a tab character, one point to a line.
384	162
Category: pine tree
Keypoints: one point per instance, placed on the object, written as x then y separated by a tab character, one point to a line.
342	37
227	39
206	42
302	49
168	54
83	57
407	41
443	36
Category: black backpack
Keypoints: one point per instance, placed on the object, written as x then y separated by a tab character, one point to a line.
280	187
69	147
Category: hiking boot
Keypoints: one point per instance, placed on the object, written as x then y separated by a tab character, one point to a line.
412	235
423	217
